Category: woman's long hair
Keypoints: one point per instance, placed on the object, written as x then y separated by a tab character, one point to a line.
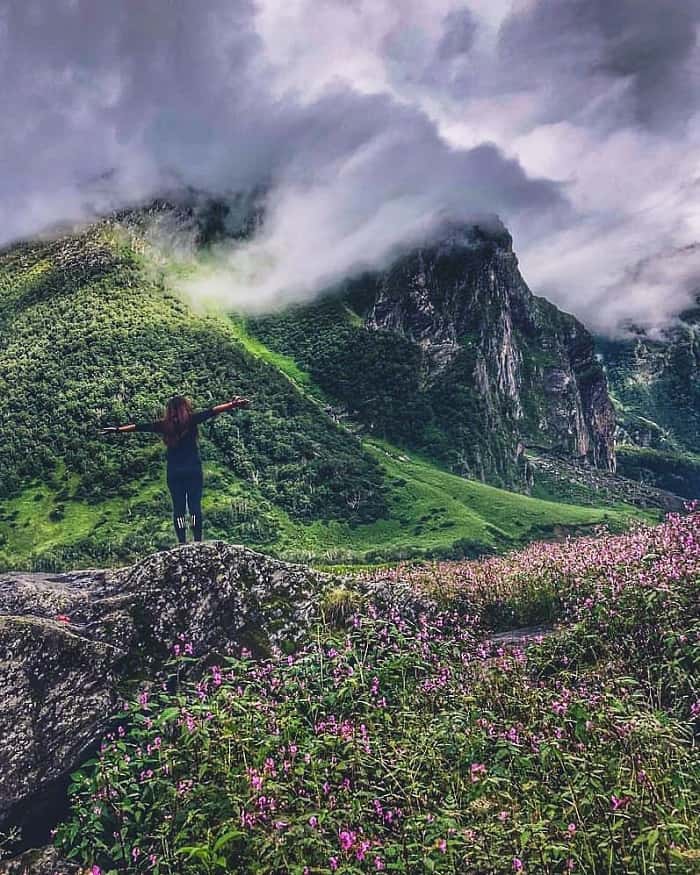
177	421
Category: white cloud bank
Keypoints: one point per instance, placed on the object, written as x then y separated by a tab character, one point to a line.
577	121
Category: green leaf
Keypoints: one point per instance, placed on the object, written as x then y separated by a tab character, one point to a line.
227	838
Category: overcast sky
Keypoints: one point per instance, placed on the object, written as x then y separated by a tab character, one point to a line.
369	121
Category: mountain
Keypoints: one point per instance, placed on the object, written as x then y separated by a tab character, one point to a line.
448	352
655	382
366	410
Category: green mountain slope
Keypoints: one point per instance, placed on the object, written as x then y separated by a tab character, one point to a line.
90	335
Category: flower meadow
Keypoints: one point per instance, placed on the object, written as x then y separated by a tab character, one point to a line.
563	580
408	741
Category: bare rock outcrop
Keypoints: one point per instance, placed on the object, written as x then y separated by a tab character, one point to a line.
41	861
533	368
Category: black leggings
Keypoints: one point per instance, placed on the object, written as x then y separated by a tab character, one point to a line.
186	491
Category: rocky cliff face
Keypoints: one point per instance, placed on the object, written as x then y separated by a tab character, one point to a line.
466	305
657	382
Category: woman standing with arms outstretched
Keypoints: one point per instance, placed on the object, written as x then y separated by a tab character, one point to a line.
178	428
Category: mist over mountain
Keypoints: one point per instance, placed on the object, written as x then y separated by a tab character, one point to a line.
575	122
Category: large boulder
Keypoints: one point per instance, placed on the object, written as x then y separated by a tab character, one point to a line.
70	643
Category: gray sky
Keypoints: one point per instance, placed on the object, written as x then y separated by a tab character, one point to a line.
577	121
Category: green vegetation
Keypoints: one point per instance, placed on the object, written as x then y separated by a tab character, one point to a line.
657	385
492	519
90	336
379	377
376	374
406	741
674	471
430	513
283	363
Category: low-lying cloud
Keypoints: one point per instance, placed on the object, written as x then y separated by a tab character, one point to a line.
367	124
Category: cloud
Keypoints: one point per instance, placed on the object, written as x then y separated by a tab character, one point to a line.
369	122
616	112
602	97
578	49
390	200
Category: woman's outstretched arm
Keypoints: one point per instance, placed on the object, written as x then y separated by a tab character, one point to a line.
234	403
133	426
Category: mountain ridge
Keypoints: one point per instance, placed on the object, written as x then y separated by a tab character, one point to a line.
655	383
456	319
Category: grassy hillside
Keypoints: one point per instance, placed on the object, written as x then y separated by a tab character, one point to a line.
90	335
430	513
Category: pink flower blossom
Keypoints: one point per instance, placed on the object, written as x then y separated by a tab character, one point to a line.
362	849
619	802
477	772
347	839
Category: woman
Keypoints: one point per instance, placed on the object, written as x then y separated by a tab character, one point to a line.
178	429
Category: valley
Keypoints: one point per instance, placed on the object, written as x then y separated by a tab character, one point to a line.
340	459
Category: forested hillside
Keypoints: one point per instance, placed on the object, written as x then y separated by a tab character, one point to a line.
90	338
90	335
656	385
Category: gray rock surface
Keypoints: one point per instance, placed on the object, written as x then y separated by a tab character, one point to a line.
70	642
533	366
42	861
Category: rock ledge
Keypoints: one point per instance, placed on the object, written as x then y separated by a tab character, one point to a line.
69	643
